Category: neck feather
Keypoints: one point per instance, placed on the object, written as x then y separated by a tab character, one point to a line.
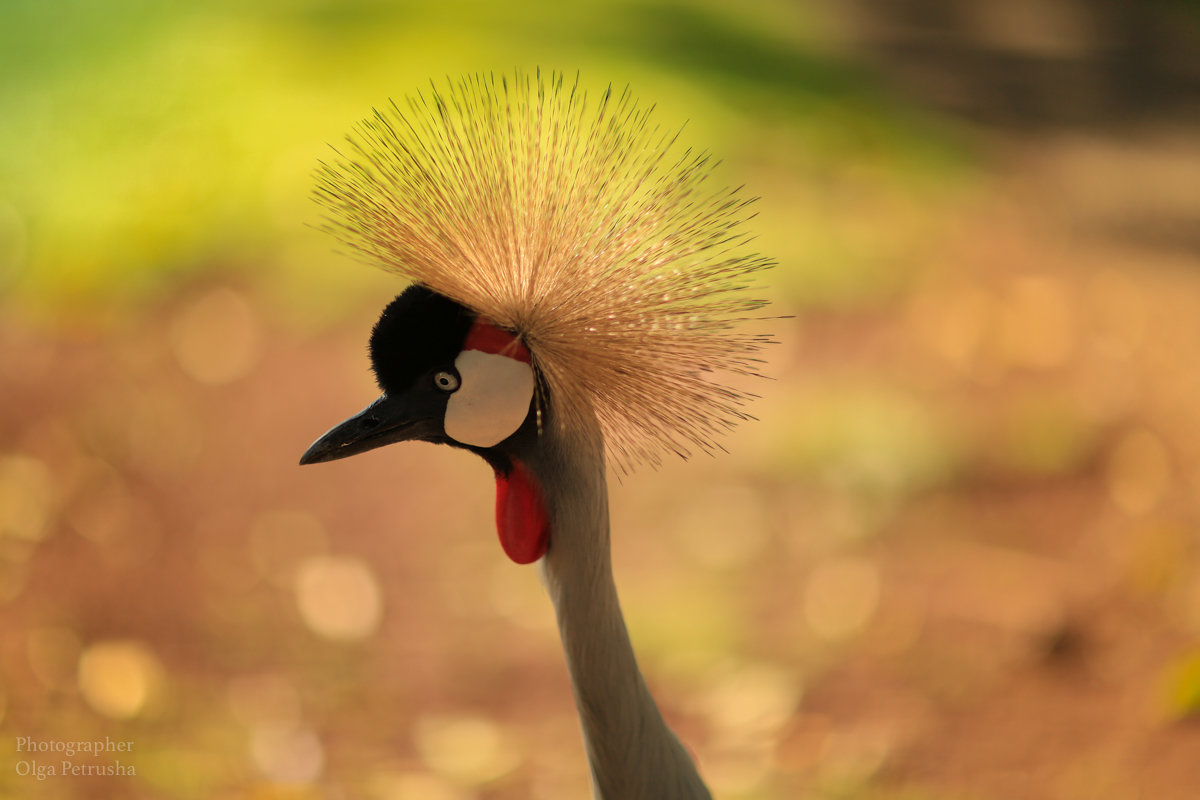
632	753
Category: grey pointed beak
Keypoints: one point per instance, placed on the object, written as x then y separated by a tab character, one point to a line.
386	421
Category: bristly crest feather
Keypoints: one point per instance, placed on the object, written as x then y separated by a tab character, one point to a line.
580	227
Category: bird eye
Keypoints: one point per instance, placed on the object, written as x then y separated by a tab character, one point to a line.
446	381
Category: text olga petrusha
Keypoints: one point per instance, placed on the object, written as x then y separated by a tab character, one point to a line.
36	769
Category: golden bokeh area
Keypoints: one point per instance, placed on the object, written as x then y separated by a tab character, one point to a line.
215	339
954	556
119	679
338	598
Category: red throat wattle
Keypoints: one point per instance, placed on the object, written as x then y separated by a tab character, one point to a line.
521	517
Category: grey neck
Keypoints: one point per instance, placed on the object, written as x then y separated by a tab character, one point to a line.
632	753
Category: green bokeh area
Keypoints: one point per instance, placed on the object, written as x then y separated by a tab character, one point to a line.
147	141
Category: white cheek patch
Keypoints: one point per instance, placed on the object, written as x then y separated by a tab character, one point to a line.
492	401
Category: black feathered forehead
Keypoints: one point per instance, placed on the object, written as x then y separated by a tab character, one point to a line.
418	331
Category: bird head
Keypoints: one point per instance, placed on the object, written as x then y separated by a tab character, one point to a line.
573	274
448	376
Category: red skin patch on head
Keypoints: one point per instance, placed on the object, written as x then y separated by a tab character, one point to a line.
487	338
521	518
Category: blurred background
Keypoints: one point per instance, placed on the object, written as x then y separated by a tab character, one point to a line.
957	557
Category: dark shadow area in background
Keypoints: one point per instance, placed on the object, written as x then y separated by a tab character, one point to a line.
1110	65
1120	71
1022	67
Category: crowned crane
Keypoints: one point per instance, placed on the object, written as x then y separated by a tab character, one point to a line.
574	292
